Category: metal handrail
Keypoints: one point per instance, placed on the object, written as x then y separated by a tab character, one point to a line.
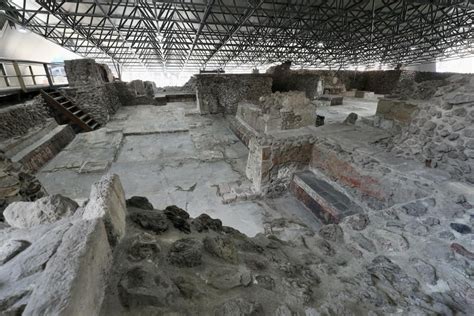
14	78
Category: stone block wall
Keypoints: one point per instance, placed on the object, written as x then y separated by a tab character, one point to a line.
99	101
86	72
441	132
272	161
394	113
125	93
377	81
129	92
221	93
16	120
285	79
92	89
278	111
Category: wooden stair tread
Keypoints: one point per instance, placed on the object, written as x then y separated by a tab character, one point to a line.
72	112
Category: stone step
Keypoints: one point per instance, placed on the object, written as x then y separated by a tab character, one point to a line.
38	153
321	198
15	145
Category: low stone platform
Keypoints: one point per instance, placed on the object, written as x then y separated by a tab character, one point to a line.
43	150
321	198
364	94
332	98
163	99
34	149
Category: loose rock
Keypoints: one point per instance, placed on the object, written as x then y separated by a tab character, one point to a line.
150	220
139	202
461	228
48	209
186	252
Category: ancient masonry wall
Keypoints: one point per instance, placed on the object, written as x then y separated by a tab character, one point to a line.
99	101
441	132
272	161
16	120
221	93
92	89
86	72
278	111
378	81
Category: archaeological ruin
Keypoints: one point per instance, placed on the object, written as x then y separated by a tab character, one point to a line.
232	158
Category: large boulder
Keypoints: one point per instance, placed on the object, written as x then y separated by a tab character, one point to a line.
74	279
48	209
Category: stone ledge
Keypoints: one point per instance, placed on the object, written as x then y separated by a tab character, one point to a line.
321	198
107	201
39	153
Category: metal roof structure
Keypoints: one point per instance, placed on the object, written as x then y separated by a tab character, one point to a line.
194	34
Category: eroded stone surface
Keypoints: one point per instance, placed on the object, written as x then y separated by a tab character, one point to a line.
48	209
107	201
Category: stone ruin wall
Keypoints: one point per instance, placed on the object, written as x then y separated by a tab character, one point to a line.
278	111
92	89
99	101
221	93
377	81
272	160
86	72
17	120
440	133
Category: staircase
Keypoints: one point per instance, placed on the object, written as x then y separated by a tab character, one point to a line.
76	116
321	198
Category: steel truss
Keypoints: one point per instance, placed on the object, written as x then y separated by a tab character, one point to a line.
192	34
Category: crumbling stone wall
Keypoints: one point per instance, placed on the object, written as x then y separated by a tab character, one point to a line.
377	81
91	88
221	93
16	120
135	92
441	132
394	113
99	101
278	111
284	79
125	93
16	184
83	72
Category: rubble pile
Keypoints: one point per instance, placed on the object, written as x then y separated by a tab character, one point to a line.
16	184
170	263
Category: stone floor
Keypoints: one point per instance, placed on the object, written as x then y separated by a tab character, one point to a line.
171	155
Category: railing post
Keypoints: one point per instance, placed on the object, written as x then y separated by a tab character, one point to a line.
48	75
3	71
32	75
19	76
